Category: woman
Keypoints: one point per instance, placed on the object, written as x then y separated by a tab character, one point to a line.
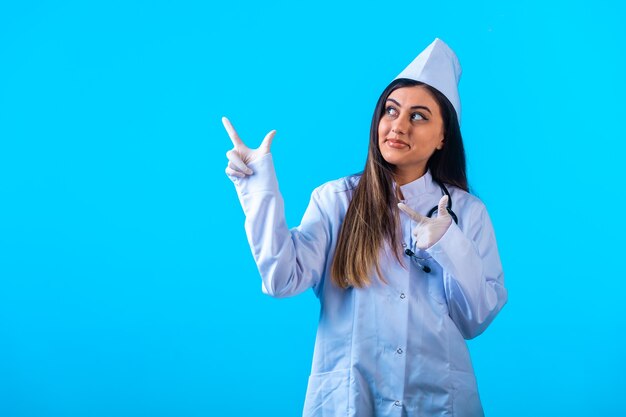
399	291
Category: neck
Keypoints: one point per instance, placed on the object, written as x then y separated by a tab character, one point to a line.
405	176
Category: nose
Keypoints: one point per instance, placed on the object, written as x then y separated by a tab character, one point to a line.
399	126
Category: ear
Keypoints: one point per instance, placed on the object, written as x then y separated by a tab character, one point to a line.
440	145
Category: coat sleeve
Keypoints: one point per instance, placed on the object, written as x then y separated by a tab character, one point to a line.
289	261
472	272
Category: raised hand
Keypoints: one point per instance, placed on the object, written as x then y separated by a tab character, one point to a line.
429	230
240	156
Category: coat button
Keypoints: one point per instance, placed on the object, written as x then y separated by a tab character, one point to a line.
402	296
400	351
397	403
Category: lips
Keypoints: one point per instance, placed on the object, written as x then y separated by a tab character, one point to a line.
396	143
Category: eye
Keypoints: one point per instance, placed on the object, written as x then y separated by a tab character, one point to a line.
418	116
391	111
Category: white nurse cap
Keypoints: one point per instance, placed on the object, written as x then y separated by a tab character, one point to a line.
437	66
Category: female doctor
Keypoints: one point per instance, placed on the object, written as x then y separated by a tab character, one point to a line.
402	258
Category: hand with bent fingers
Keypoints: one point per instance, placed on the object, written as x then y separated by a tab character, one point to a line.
429	230
240	156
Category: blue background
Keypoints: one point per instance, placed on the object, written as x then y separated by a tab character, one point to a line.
127	287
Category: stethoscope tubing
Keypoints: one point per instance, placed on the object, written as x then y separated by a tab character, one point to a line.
445	191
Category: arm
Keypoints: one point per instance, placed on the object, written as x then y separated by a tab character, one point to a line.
473	277
289	261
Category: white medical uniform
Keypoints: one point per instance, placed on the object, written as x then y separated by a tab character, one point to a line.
394	349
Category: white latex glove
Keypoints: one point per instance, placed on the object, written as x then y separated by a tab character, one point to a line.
240	156
429	230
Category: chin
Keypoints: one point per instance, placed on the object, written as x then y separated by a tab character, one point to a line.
391	159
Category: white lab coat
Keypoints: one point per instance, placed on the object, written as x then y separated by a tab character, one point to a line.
394	349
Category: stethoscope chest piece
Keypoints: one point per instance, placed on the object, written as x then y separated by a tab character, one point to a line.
417	260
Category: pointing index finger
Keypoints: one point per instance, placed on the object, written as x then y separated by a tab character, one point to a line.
410	212
232	133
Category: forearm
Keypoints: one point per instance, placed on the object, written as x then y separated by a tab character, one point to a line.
473	278
274	246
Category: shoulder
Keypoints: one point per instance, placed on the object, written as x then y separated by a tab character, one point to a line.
467	206
464	197
335	196
341	186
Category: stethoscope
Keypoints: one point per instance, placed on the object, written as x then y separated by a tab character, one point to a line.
431	213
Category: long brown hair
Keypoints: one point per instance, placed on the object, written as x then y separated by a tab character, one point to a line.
372	217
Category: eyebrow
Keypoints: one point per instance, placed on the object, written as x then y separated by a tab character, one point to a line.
412	107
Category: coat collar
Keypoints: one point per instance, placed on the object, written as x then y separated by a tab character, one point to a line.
422	185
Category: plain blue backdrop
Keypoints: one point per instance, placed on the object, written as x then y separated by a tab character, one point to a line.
127	287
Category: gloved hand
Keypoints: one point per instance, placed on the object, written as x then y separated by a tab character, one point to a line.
429	230
240	156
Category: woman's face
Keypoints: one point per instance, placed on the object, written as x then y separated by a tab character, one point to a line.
410	131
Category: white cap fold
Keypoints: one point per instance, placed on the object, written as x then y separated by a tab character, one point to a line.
437	66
